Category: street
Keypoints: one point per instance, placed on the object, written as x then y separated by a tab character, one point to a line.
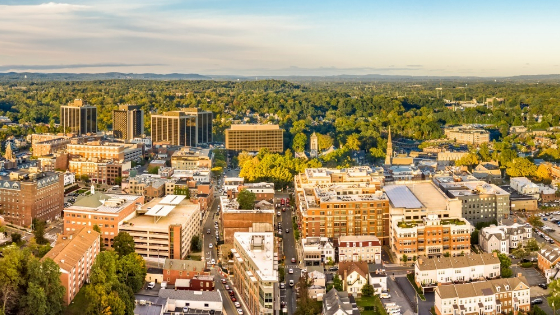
289	244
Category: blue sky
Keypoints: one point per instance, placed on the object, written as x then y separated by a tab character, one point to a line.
482	38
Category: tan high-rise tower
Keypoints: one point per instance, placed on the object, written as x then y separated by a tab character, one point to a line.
78	118
128	122
389	156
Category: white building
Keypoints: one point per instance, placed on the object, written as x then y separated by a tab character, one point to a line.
378	279
318	286
354	275
69	178
147	141
524	186
359	248
504	237
196	300
431	271
316	250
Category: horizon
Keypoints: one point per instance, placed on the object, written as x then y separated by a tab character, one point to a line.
288	38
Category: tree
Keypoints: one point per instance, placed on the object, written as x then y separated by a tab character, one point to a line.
535	221
84	178
474	237
305	304
446	254
520	252
520	167
217	171
484	153
131	271
330	262
324	141
367	290
553	298
16	238
196	243
532	245
299	142
404	258
353	142
45	290
39	231
97	229
543	174
118	180
123	244
337	283
469	160
246	199
153	169
505	264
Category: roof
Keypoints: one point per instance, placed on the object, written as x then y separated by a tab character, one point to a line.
255	127
402	197
105	203
334	301
186	295
550	253
361	267
423	263
70	249
178	264
482	288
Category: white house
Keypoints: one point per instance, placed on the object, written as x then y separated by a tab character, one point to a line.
69	178
504	237
316	250
431	271
524	186
354	275
359	248
198	300
377	278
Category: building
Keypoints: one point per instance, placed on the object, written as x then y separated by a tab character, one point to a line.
504	237
548	257
128	122
50	146
75	254
97	150
524	186
377	278
196	300
315	251
262	191
489	172
389	153
78	118
449	157
498	296
101	172
339	303
431	272
69	178
548	194
255	270
252	138
318	285
204	124
149	305
175	128
164	227
354	275
27	194
480	201
425	222
189	158
333	203
196	283
149	186
174	269
468	135
235	220
107	211
359	248
314	145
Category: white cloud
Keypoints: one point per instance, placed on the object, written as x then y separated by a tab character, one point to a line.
43	9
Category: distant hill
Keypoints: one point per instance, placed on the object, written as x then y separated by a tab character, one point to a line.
18	76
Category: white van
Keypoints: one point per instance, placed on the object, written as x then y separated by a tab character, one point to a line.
385	295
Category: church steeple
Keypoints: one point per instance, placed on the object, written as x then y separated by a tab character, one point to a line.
389	156
9	153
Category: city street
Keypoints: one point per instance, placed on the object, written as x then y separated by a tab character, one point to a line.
288	295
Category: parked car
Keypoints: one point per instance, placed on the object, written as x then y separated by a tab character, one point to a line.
210	245
226	286
233	299
385	295
536	301
291	283
237	304
293	260
151	285
282	285
224	281
239	311
208	231
290	271
543	285
287	230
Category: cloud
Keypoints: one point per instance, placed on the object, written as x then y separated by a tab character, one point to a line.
44	9
6	68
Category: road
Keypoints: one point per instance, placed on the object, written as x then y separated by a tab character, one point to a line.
288	295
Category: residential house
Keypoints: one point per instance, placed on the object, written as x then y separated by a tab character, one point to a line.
339	303
174	269
359	248
504	237
547	257
354	276
198	300
489	172
318	288
316	251
377	278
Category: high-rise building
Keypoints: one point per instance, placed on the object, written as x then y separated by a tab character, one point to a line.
175	128
78	117
203	123
128	122
252	138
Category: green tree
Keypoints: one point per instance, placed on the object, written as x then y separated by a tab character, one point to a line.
324	141
131	271
404	259
118	180
484	153
153	170
535	221
367	290
299	142
196	243
446	254
469	160
123	244
305	304
553	298
97	229
45	291
474	237
16	238
505	264
84	178
10	278
520	252
246	199
39	231
217	171
337	283
353	142
532	245
521	167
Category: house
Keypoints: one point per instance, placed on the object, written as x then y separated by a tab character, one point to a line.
488	172
504	237
429	272
524	186
196	283
547	257
359	248
318	287
198	300
339	303
316	251
354	275
174	269
548	194
75	254
498	296
149	305
377	278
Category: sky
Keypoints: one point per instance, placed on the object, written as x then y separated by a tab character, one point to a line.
285	37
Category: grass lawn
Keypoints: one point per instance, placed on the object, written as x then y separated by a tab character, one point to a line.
371	301
78	305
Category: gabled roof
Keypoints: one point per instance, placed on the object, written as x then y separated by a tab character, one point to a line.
361	267
550	253
423	263
482	288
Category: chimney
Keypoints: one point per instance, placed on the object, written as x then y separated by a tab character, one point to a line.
62	260
420	262
495	254
519	274
344	283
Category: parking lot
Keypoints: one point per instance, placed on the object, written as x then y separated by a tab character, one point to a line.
398	296
531	274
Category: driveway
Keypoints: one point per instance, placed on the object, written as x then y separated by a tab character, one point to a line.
531	274
398	296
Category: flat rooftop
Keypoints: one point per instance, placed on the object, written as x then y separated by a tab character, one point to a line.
401	196
254	127
429	195
177	215
259	247
472	188
103	203
232	206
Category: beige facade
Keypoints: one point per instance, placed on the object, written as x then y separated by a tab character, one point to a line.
128	122
175	128
118	152
468	135
252	138
189	158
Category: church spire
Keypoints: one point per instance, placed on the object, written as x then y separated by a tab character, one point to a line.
389	156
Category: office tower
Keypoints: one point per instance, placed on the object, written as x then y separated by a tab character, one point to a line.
175	128
252	138
128	122
203	123
78	117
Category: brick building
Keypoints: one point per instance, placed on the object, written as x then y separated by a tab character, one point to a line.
174	269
